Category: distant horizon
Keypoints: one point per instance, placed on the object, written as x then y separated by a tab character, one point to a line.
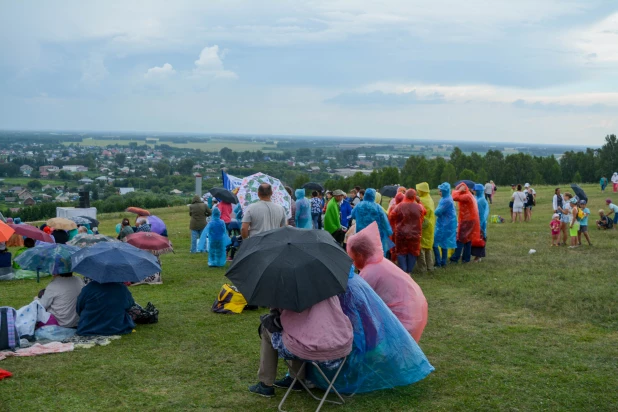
387	140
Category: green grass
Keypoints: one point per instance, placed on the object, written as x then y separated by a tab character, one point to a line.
9	182
214	144
516	332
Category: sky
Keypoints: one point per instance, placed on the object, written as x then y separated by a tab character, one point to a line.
542	71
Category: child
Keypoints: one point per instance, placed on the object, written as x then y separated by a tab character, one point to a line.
555	229
613	209
583	223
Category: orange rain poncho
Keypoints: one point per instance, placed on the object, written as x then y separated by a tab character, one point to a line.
469	227
407	225
397	289
393	202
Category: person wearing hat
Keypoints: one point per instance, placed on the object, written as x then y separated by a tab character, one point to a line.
332	217
573	223
583	223
530	201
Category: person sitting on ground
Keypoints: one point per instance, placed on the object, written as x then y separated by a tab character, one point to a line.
82	230
103	309
5	257
369	211
613	210
320	333
396	288
60	299
125	230
28	243
604	222
61	236
142	225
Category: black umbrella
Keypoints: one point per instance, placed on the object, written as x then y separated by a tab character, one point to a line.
313	186
93	221
290	268
579	192
223	195
468	183
389	191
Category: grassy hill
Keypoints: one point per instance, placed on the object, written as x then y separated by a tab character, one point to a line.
518	331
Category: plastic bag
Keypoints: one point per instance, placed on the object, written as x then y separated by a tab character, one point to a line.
384	355
54	333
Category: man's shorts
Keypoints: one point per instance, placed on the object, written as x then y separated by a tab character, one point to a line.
583	229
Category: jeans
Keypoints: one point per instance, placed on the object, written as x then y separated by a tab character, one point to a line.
315	217
466	248
488	198
440	258
406	262
195	236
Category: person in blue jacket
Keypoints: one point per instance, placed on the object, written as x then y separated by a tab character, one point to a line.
445	235
478	245
103	309
218	240
345	212
302	217
367	212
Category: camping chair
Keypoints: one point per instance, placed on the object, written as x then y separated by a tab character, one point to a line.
331	385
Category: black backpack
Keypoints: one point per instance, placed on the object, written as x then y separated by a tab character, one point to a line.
9	339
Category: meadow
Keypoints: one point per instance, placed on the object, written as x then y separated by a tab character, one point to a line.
212	145
515	332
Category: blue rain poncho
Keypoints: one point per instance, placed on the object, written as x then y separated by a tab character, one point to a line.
446	224
302	216
483	207
384	355
367	212
218	240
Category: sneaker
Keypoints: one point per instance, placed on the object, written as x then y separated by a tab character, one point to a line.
262	390
286	382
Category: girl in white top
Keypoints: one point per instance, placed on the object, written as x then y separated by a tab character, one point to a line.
565	211
519	198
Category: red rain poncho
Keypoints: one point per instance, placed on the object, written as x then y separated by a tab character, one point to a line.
407	224
396	288
469	227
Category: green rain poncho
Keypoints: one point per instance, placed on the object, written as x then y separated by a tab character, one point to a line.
430	218
331	217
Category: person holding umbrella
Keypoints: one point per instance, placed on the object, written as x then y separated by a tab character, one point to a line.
198	212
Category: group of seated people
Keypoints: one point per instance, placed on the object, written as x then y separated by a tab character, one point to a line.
376	324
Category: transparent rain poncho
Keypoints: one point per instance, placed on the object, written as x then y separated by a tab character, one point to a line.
469	226
445	235
429	223
367	212
302	216
384	355
396	288
483	209
407	219
218	240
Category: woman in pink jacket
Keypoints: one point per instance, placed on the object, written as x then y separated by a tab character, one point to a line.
321	333
396	288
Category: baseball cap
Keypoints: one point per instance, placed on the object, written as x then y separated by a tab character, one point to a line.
555	215
608	200
527	185
582	201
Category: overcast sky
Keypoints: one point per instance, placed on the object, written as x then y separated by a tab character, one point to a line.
504	70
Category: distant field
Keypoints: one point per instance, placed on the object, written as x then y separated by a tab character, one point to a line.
23	181
210	145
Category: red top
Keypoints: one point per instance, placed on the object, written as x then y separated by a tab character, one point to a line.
226	211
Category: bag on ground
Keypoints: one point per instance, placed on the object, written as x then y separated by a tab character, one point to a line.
9	338
229	300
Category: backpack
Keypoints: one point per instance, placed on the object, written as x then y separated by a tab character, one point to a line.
9	338
229	300
580	214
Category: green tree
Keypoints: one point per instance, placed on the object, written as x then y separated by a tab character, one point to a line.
185	166
577	178
467	174
449	174
35	184
120	159
299	181
162	169
95	193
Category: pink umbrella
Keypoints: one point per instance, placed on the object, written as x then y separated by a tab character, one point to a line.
32	232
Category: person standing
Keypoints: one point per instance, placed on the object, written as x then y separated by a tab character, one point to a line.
425	259
367	212
603	183
469	227
445	236
199	211
478	244
513	190
519	200
316	209
262	215
407	220
332	217
565	218
615	181
583	223
489	191
573	223
530	201
226	212
302	218
557	203
354	199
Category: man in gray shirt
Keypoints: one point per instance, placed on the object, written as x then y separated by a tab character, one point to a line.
60	299
263	215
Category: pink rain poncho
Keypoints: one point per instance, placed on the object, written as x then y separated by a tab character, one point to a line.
469	225
396	288
407	219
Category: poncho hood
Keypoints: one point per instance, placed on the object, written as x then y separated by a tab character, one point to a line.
300	194
370	195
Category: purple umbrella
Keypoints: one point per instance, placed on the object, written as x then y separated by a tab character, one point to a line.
156	225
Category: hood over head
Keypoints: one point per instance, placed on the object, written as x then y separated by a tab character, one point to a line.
463	186
410	196
370	195
365	247
480	190
216	213
445	189
196	199
423	187
300	194
399	198
378	197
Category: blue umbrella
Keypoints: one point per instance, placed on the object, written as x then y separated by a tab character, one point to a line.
115	262
52	258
